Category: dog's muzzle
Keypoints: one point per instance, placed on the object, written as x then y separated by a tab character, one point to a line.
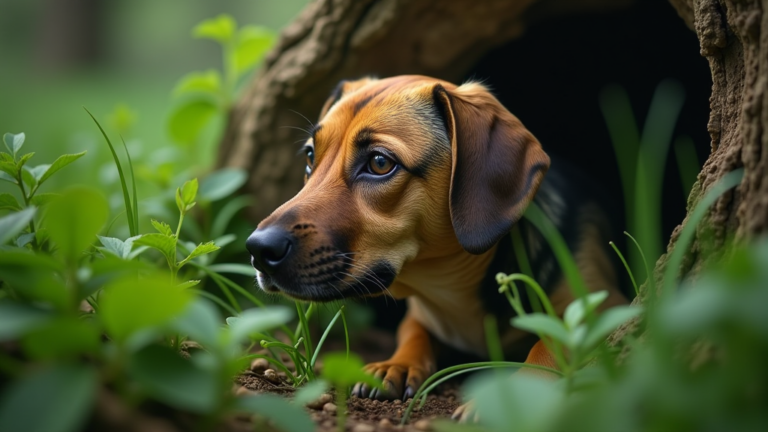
270	248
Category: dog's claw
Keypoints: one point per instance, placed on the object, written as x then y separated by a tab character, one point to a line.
465	413
399	381
409	393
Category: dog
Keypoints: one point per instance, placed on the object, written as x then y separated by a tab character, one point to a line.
412	186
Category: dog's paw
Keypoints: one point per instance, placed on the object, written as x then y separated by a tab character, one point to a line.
400	381
466	413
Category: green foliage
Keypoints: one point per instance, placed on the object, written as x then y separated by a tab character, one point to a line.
205	95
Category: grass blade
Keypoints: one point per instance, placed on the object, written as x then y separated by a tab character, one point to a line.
626	266
133	184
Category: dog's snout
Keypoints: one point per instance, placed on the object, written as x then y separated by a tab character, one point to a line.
269	247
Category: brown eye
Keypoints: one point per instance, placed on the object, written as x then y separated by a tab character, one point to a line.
310	162
380	164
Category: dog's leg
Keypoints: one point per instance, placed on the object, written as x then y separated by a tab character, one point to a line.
406	370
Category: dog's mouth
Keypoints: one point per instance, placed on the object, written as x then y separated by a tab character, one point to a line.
330	280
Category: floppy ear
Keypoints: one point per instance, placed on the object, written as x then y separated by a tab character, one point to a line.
497	165
342	88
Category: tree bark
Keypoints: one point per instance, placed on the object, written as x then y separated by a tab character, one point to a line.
333	40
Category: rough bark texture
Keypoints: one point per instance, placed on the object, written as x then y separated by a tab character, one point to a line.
341	39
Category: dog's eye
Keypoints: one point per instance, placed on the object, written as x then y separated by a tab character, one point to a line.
310	162
380	164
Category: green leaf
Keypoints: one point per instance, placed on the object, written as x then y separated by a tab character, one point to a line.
42	199
201	249
201	322
543	325
310	392
9	168
576	311
174	380
189	191
203	82
8	202
28	177
62	338
117	247
253	42
287	417
14	223
6	177
74	219
241	269
25	239
344	372
23	160
162	227
222	183
16	319
165	244
257	320
128	305
58	164
55	399
609	321
13	142
34	277
189	118
221	29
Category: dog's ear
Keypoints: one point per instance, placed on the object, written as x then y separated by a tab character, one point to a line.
497	165
342	88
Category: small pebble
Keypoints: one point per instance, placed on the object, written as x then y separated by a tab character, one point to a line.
328	423
330	408
423	425
271	376
259	365
242	391
316	417
385	423
320	402
397	402
363	427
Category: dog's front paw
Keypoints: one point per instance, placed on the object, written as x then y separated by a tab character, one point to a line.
465	413
400	381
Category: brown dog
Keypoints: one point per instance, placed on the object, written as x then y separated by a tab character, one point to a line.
412	186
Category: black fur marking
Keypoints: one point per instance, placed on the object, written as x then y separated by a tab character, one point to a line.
337	93
363	138
359	105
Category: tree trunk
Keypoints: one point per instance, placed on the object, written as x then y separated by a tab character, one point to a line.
341	39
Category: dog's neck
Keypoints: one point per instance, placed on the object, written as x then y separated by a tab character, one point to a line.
442	291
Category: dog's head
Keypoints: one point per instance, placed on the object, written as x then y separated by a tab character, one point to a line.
398	169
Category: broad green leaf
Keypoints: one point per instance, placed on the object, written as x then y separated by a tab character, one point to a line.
42	199
201	322
162	227
74	219
576	311
59	398
221	29
175	381
13	142
609	321
344	372
201	249
13	224
253	42
189	191
222	183
16	319
115	246
38	170
129	305
25	239
188	119
35	277
58	164
9	168
62	338
310	392
203	82
286	416
7	177
543	325
257	320
165	244
8	202
110	269
28	177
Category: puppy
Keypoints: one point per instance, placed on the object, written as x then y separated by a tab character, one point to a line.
412	185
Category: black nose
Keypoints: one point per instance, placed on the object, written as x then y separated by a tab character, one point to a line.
269	247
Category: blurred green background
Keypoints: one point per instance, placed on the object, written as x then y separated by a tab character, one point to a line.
57	56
